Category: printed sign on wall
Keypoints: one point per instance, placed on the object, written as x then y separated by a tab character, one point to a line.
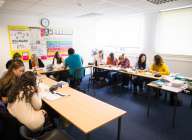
19	40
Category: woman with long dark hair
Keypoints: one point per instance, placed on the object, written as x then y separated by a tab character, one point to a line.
25	104
57	58
15	70
140	66
141	63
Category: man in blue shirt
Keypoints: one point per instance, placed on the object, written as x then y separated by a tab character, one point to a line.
75	64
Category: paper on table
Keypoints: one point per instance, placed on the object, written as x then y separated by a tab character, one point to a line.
50	96
173	89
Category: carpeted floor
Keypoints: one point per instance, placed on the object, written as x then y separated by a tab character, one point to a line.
135	124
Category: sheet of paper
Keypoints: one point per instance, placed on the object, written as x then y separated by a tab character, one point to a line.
173	89
51	97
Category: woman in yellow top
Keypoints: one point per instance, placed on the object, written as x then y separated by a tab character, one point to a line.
159	66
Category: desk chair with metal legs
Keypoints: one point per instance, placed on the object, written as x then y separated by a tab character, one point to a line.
54	134
75	80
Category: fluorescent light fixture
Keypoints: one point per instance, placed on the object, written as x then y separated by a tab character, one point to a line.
177	8
157	2
1	2
92	14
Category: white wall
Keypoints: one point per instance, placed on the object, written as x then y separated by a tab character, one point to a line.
84	31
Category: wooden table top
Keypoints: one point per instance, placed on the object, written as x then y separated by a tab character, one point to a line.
129	72
44	71
167	88
85	112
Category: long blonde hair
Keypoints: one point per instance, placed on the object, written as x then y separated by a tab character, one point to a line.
34	59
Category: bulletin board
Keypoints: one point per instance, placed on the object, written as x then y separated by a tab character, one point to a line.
19	40
35	40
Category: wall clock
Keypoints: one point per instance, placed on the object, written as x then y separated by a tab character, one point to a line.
44	22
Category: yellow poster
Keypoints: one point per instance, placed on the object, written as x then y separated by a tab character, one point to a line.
19	40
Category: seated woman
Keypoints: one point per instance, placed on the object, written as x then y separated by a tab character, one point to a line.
140	66
16	56
124	63
112	61
159	67
57	59
99	58
16	69
58	63
35	62
25	104
99	74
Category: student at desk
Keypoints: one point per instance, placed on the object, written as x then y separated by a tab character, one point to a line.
124	63
16	56
16	69
35	62
112	61
159	67
99	58
140	66
99	74
75	64
57	63
57	59
25	104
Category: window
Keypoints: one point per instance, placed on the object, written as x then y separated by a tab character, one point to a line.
123	35
175	32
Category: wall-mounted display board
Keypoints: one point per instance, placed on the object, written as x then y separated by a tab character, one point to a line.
35	40
19	40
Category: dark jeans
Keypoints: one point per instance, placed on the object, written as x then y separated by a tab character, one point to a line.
125	79
138	82
99	73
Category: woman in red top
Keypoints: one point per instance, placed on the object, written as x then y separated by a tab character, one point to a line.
111	60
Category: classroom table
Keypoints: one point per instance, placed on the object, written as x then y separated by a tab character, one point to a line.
84	111
128	71
55	70
172	90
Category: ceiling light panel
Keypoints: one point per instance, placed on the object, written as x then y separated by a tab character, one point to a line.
157	2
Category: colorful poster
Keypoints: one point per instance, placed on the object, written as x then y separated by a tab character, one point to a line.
60	43
19	40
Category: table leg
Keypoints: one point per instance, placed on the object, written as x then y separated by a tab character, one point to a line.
149	103
191	102
119	128
165	96
174	110
88	136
